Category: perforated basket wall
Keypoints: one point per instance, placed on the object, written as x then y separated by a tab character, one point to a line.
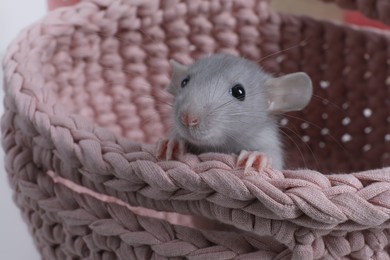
84	107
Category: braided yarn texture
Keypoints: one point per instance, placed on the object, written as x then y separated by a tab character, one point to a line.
85	106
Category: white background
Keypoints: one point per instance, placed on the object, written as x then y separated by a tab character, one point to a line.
15	240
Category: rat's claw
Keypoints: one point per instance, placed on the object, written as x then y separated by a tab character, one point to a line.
253	159
161	148
169	149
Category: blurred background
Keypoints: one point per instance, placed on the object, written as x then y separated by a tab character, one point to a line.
15	241
324	11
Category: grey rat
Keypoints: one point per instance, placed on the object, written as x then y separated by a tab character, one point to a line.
224	103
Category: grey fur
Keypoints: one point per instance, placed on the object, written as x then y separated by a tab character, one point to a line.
227	124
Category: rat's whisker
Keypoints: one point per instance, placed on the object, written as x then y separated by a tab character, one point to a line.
122	38
247	114
328	101
155	99
233	137
296	145
244	113
147	35
307	145
281	51
320	128
215	89
214	110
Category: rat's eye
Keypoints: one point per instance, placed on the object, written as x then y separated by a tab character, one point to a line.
238	92
185	81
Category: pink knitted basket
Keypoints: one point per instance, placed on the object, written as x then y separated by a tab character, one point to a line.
84	106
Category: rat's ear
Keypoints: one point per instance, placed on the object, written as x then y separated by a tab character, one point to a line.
178	73
291	92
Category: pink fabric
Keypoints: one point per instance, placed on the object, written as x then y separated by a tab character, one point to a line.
84	107
171	217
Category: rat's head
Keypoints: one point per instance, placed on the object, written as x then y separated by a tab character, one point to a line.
222	96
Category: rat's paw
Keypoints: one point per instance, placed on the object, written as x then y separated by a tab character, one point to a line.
169	149
254	159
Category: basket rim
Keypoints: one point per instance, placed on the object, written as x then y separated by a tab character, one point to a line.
312	199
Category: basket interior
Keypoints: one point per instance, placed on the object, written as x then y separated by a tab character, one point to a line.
116	78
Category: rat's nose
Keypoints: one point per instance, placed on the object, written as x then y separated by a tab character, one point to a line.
189	120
